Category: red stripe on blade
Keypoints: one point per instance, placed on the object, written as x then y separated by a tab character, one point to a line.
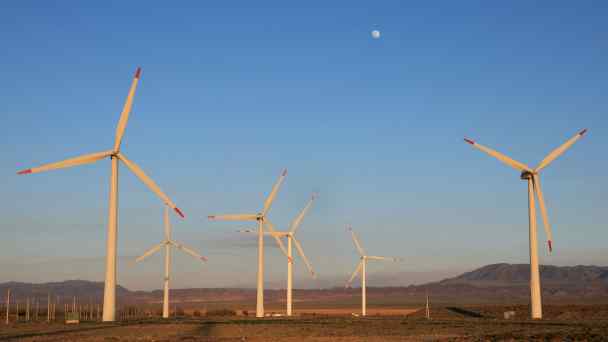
179	212
582	132
24	172
550	246
138	72
211	217
469	141
284	173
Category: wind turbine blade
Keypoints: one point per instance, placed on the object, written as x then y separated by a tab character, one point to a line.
126	110
559	151
276	237
149	182
356	241
373	257
80	160
357	270
543	210
150	252
273	193
188	250
511	162
298	220
237	217
303	256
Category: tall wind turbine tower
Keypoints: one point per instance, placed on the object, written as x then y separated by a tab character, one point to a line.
361	268
168	243
262	221
532	177
109	293
291	238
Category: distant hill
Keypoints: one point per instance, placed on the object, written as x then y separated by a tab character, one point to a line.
519	274
65	289
497	283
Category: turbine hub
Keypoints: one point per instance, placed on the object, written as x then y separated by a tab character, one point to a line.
525	175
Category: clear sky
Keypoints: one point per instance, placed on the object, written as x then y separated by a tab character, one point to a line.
232	92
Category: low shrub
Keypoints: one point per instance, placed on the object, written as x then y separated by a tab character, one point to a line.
221	312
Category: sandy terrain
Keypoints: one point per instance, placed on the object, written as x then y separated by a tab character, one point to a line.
590	323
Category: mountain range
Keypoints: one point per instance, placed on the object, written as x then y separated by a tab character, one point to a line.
496	283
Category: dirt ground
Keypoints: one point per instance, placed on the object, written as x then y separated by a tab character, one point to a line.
569	323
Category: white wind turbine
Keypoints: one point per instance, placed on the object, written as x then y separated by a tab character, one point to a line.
361	268
109	294
262	221
290	235
167	243
533	179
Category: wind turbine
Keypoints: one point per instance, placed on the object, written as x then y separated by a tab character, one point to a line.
361	268
109	294
290	235
533	178
261	220
167	243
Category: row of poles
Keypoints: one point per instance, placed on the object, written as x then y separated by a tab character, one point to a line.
30	310
135	313
86	312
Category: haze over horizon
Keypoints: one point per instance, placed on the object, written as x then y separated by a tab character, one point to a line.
231	95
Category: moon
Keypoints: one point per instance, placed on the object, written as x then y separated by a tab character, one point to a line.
376	34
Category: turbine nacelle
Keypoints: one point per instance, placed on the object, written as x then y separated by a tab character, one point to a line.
525	175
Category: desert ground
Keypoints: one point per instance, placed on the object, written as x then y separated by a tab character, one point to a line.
474	323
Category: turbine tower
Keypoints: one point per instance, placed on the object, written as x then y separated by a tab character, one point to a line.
109	294
290	235
262	221
167	243
533	179
361	268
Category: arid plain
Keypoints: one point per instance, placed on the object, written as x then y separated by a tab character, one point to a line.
563	322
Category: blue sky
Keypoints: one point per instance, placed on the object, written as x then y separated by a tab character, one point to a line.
231	93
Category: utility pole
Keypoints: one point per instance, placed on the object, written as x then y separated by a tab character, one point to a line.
428	309
8	304
48	307
27	309
55	308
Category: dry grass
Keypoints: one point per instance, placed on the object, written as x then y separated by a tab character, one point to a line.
446	326
350	311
